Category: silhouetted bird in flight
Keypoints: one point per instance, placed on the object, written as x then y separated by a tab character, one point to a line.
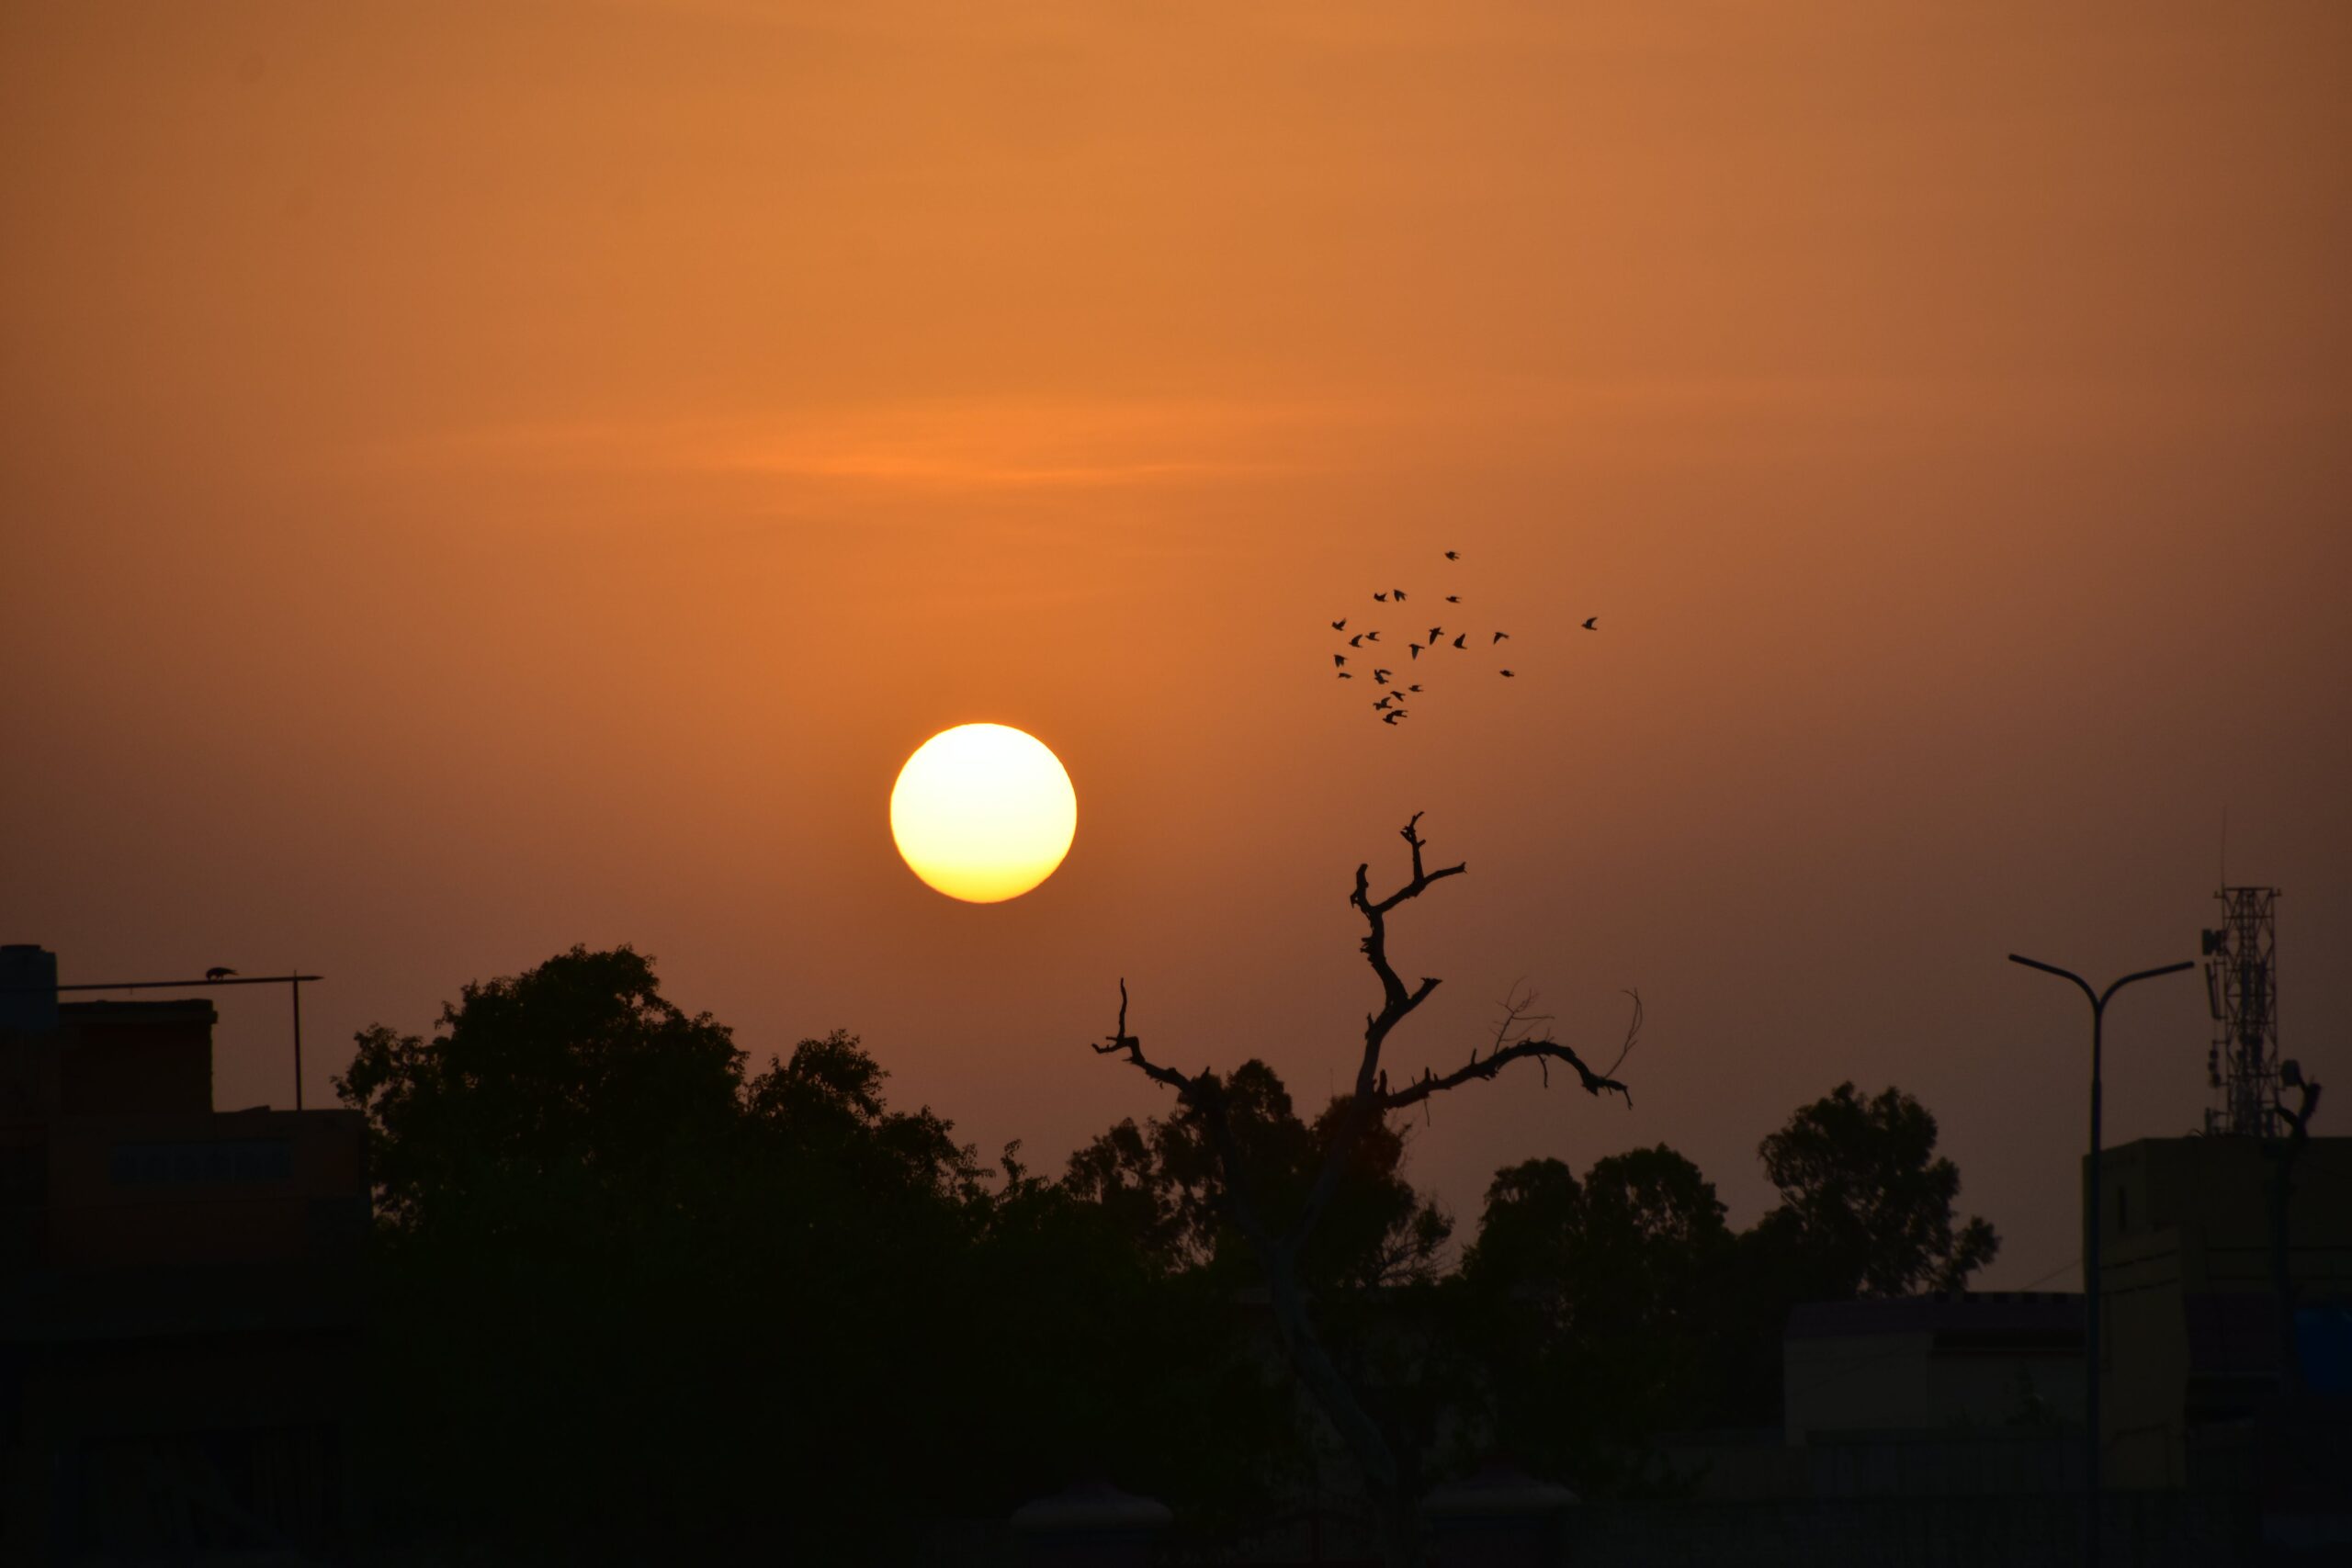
1415	687
1499	637
1345	676
1413	648
1381	676
1401	594
1454	555
1588	622
219	972
1392	716
1338	660
1356	642
1373	636
1454	598
1340	624
1457	642
1380	598
1506	672
1385	701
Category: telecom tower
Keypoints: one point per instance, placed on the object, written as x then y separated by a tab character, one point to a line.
2242	983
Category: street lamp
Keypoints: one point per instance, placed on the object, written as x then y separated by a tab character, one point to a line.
2091	1253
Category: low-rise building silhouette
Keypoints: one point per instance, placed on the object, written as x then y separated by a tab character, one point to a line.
179	1297
2215	1377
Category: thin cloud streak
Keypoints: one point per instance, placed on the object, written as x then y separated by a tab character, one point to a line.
935	446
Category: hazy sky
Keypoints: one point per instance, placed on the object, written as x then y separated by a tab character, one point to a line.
482	476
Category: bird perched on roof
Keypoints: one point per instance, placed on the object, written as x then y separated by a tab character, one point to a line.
1588	622
219	972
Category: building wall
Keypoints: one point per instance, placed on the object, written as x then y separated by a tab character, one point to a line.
2189	1320
2150	1531
246	1187
180	1309
1844	1384
133	1058
1993	1362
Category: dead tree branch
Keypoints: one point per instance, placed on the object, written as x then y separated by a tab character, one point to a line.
1396	1002
1205	1093
1370	1101
1120	1040
1540	1050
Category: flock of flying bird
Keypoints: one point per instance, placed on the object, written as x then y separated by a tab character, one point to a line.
1391	705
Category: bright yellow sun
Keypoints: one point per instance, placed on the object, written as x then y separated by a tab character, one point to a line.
983	812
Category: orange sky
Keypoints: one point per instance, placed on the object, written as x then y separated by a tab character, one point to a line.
478	478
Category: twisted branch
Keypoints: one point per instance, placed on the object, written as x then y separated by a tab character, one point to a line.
1370	1102
1364	1107
1120	1040
1513	1044
1206	1094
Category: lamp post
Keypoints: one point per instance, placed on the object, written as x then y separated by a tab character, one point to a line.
2092	1204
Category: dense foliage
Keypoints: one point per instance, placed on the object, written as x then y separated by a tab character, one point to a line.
634	1307
636	1303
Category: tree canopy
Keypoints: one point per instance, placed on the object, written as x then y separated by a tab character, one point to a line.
1162	1183
1866	1204
634	1299
578	1066
633	1305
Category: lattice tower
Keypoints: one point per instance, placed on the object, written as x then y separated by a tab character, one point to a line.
2242	983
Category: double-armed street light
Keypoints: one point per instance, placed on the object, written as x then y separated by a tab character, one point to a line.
2091	1205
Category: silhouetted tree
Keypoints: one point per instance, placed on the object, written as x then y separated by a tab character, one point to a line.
577	1069
1598	1305
1866	1206
630	1307
1281	1236
1162	1184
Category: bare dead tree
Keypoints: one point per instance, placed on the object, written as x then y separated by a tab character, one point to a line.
1277	1247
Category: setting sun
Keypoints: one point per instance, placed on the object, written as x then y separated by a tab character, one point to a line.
983	812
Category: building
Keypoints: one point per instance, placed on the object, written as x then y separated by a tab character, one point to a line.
179	1298
1962	1393
1960	1360
2193	1326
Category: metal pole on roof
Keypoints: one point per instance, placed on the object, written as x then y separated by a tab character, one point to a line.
292	981
2093	1201
295	985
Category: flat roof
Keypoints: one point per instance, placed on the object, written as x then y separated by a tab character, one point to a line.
178	1009
1972	1312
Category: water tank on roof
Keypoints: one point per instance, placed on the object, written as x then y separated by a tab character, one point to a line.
28	989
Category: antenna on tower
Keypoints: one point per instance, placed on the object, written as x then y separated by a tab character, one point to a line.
2242	988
